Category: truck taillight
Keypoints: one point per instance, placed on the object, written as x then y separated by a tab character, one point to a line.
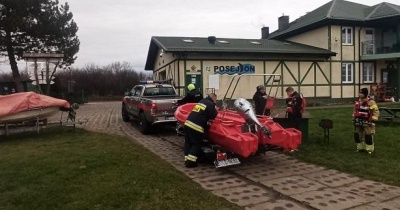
153	109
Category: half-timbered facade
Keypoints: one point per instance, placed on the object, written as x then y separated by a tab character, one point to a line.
210	63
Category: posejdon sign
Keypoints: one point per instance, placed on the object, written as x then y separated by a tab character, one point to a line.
240	69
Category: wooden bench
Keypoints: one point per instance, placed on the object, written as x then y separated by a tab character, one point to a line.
389	113
388	117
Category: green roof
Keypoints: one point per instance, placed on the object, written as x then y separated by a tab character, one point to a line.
340	10
197	44
229	45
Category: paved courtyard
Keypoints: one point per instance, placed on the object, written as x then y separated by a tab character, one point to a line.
272	181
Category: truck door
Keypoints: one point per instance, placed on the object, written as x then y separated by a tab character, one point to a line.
136	100
133	100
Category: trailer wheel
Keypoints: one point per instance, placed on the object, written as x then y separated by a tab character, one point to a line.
125	116
144	126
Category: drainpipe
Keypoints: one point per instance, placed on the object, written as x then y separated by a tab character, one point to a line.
398	80
359	58
179	74
398	63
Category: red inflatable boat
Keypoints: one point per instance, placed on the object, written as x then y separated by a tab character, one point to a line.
232	131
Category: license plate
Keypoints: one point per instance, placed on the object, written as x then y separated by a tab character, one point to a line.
170	118
227	162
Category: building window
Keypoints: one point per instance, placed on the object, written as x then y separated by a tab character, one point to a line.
347	35
368	73
347	72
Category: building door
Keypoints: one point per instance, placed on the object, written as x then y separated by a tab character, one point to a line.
369	42
389	79
195	79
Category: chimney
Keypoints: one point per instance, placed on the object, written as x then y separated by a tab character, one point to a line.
211	39
264	32
283	22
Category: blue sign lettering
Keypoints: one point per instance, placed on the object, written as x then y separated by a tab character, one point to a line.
240	69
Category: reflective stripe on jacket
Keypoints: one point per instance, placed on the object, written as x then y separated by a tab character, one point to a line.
201	114
194	126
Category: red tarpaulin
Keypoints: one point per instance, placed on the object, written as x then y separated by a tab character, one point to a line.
19	102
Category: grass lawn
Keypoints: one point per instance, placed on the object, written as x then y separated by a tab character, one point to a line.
85	170
382	165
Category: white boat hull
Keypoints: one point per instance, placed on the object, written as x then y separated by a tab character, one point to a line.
33	114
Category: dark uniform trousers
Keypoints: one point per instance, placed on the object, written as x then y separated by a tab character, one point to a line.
294	121
193	143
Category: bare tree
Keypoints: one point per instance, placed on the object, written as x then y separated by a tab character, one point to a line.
110	80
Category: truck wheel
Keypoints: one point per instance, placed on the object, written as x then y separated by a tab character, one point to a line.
144	126
125	116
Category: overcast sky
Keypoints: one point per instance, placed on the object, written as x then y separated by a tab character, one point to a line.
121	30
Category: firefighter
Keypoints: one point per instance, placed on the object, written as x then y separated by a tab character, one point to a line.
294	103
366	112
196	126
193	95
260	99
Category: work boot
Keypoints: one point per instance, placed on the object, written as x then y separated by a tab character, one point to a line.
201	158
370	149
360	147
190	164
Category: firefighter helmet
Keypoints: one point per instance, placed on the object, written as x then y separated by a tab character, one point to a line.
191	87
